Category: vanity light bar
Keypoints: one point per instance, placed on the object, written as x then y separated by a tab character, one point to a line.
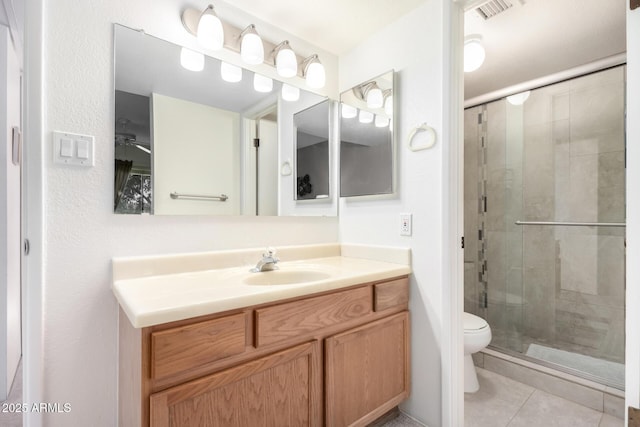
233	37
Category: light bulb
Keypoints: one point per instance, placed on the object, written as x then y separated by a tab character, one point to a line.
381	121
349	112
262	84
210	33
251	48
286	61
315	74
365	116
473	54
374	97
191	60
290	93
519	98
230	73
388	105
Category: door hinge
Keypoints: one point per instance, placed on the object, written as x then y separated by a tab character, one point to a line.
462	242
27	246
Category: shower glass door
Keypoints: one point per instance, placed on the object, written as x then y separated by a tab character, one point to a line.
544	193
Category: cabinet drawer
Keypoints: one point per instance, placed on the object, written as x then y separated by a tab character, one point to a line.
298	318
391	294
185	347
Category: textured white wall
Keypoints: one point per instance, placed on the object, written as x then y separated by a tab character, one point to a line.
413	47
79	234
633	210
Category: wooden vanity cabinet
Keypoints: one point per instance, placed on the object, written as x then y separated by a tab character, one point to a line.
281	389
338	358
366	371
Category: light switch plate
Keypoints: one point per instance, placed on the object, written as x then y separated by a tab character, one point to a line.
73	149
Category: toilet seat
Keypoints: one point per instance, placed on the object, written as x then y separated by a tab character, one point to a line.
473	324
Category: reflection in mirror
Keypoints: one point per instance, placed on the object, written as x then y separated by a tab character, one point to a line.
366	138
196	142
312	152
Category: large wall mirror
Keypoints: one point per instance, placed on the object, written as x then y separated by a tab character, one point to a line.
206	142
367	138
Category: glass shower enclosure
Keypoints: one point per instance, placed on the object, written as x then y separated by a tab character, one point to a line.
544	216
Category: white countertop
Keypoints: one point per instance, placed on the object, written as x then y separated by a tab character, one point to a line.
151	299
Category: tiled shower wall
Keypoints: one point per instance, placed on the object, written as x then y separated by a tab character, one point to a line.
557	157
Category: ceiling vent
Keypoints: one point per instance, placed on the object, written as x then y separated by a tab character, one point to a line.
492	8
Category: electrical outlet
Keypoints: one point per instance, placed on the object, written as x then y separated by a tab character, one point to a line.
405	224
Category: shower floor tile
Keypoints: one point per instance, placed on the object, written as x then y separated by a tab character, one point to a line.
503	402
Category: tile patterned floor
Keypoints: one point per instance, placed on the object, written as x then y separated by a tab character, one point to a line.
503	402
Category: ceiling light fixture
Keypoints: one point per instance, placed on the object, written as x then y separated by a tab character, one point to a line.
230	73
210	29
388	104
285	60
474	53
518	98
365	116
374	96
381	121
313	72
262	84
348	112
290	93
206	26
251	47
191	60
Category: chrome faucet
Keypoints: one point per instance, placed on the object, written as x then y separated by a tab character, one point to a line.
267	263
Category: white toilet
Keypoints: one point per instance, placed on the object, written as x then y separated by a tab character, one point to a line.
477	335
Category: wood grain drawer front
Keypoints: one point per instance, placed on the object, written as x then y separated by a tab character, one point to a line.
298	318
282	389
180	349
391	294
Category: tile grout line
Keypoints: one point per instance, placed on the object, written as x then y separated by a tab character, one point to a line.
521	406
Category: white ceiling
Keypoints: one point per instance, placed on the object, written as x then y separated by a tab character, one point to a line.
543	37
336	26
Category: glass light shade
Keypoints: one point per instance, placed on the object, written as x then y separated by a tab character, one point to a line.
381	121
315	75
230	73
473	55
191	60
365	116
251	48
519	98
210	33
262	84
374	97
349	112
388	105
286	62
290	93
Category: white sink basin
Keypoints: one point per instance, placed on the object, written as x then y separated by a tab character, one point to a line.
285	277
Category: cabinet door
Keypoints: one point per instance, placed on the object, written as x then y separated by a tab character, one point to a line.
282	389
367	371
